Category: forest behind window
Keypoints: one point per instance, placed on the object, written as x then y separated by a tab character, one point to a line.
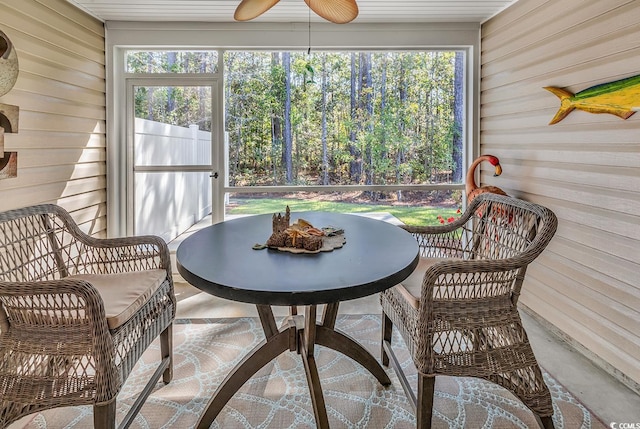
354	118
324	118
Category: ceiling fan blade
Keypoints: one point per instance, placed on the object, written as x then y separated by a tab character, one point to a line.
249	9
337	11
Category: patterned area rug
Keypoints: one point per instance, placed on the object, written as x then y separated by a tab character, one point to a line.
205	350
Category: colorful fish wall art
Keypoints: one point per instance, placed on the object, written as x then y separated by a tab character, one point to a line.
620	98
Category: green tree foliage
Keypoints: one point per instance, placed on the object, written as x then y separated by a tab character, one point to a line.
180	106
330	118
402	130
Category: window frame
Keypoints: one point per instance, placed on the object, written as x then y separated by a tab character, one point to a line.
125	36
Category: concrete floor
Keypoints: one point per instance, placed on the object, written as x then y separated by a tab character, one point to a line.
606	397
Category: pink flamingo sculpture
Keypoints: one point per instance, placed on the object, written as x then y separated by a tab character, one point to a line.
470	185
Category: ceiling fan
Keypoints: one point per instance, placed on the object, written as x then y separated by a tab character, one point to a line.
337	11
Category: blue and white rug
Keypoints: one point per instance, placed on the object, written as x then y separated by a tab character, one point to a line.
205	350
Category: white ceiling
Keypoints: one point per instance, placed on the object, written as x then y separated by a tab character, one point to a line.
371	11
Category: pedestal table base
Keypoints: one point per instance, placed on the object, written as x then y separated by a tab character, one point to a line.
298	334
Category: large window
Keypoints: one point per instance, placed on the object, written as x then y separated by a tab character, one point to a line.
355	131
344	118
301	116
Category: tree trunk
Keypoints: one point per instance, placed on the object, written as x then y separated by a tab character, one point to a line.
403	90
288	139
458	116
366	105
276	127
383	114
203	95
150	91
325	154
355	165
171	102
430	114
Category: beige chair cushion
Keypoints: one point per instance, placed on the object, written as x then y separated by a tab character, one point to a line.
124	293
411	287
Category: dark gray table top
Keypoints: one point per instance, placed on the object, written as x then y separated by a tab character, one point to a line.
220	260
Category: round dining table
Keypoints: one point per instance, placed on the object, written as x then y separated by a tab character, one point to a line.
229	260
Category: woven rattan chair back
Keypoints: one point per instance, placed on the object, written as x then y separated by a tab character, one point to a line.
467	322
56	348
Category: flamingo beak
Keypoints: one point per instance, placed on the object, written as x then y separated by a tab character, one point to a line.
498	170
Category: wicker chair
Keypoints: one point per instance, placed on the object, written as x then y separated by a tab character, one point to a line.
457	312
76	313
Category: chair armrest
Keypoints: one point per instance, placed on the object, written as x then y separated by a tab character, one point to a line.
439	241
59	302
458	266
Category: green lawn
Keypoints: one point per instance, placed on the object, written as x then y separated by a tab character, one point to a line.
423	215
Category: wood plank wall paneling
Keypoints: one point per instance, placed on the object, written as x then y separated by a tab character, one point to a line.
586	168
61	94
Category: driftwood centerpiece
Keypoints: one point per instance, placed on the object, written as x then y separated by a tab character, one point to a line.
302	236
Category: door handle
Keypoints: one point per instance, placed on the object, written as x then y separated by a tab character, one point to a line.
214	175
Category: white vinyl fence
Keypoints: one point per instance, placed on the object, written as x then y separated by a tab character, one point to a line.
167	203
